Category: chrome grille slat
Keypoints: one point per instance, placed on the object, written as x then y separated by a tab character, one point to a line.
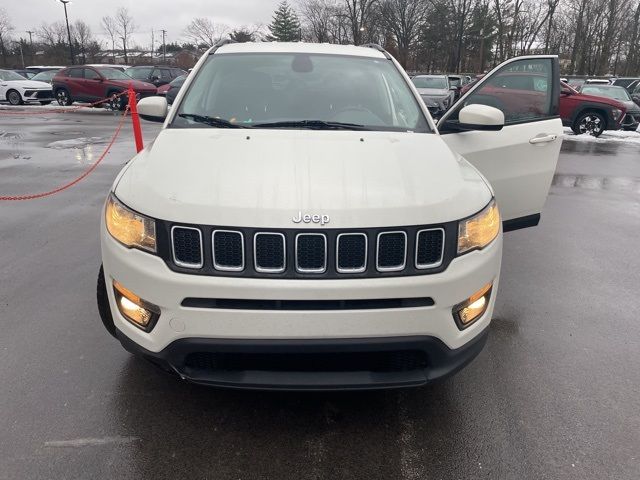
266	252
313	256
431	237
386	247
351	268
186	247
226	259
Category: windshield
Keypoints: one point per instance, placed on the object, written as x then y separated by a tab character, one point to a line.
46	76
257	89
617	93
439	83
6	75
139	73
113	74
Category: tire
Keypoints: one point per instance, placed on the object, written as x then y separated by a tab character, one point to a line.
14	97
63	97
592	123
103	304
45	102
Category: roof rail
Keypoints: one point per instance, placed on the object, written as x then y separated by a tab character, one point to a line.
377	47
222	43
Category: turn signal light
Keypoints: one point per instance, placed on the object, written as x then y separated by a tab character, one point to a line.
474	307
138	311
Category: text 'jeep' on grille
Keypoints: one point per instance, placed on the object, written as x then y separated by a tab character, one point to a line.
302	223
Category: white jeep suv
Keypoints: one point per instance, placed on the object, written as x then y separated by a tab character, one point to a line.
301	222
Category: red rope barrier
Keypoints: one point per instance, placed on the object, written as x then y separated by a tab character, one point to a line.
66	110
81	177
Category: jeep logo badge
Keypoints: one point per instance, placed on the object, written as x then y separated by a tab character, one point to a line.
308	218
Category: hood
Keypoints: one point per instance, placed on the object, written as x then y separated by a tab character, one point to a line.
607	100
27	84
433	92
137	84
263	178
631	106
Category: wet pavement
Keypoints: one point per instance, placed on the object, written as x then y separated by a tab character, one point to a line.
554	395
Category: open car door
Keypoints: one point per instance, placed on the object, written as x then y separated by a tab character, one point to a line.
520	159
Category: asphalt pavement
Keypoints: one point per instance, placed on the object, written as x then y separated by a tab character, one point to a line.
554	395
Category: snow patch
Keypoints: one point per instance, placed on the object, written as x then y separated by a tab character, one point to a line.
76	143
621	136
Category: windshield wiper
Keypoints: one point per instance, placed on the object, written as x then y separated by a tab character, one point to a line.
312	124
212	121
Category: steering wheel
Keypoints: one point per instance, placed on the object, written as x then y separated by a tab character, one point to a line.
356	109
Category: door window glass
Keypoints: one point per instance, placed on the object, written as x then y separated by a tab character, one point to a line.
91	74
76	73
522	90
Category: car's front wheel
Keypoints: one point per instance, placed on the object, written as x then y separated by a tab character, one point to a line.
592	123
103	303
14	97
63	97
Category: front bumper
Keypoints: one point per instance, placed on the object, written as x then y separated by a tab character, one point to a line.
37	95
183	330
377	363
631	121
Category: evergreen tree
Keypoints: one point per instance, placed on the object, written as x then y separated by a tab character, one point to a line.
285	26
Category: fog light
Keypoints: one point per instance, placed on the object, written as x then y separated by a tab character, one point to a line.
139	312
470	310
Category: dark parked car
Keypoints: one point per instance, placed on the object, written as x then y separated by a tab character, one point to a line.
629	83
632	119
174	88
156	75
435	92
456	82
635	95
89	84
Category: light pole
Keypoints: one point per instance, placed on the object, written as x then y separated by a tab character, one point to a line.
66	17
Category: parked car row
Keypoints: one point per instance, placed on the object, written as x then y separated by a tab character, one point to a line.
591	107
87	83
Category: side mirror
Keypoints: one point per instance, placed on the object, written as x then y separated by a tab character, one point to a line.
481	117
153	109
566	91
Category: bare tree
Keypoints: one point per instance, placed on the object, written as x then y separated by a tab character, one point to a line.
403	18
110	27
203	31
125	27
360	14
82	36
6	27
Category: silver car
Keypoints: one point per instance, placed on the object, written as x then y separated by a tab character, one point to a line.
435	93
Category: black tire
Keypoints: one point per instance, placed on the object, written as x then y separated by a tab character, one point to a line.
14	97
591	122
63	97
103	304
630	129
45	102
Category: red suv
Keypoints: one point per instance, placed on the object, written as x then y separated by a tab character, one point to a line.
588	113
90	84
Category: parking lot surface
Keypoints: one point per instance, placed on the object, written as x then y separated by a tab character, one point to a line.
554	395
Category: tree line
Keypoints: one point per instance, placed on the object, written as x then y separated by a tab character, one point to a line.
592	37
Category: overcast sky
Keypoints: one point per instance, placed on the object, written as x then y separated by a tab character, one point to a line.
172	16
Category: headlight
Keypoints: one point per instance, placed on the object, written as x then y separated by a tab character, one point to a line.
616	113
480	230
128	227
